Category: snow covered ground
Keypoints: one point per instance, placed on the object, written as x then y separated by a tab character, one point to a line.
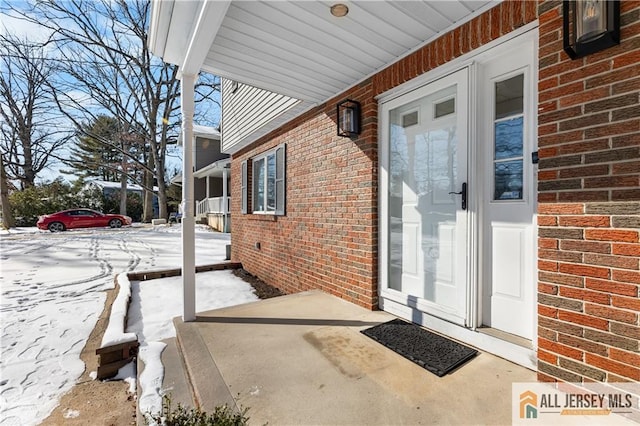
52	293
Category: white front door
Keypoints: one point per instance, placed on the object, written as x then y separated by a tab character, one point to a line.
506	127
427	171
472	264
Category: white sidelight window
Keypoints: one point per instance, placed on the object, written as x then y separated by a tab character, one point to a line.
268	182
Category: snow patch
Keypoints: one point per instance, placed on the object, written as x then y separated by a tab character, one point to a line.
150	402
52	294
114	334
128	375
71	414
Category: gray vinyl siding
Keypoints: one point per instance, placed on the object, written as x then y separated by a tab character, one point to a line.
247	111
207	152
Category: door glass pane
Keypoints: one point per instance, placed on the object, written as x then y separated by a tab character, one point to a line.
398	171
508	176
510	96
423	170
410	119
508	143
445	108
508	138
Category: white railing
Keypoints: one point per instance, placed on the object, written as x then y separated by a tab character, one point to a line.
213	205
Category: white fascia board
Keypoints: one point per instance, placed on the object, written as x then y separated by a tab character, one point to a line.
206	28
181	25
202	132
210	169
176	180
206	132
161	11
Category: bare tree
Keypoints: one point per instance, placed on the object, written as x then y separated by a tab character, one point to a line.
7	214
106	67
30	132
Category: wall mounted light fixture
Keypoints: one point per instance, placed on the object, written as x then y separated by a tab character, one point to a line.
589	26
348	118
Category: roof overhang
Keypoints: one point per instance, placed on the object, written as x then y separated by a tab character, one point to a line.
213	169
298	48
202	132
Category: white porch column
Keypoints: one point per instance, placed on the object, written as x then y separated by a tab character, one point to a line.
208	192
188	216
225	201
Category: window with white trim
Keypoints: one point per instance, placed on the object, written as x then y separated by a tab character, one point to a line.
268	183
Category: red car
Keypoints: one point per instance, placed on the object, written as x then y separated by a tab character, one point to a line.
81	218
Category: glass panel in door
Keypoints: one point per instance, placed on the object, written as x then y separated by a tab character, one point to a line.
427	227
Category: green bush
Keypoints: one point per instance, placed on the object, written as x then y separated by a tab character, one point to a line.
181	416
35	201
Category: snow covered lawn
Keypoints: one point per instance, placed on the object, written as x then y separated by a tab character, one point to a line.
52	293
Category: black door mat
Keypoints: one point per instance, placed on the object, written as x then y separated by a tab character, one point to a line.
431	351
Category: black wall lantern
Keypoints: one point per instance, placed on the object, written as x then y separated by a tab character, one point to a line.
348	118
589	26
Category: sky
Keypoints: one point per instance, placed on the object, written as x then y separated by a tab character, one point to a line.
52	294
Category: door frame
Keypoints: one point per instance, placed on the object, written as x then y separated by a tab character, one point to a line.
409	307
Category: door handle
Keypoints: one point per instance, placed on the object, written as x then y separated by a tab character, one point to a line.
463	192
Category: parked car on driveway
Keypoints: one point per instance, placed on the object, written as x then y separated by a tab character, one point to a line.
81	218
175	217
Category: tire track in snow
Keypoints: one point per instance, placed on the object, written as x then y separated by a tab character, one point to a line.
134	258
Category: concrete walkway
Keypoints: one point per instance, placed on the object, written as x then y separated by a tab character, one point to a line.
301	360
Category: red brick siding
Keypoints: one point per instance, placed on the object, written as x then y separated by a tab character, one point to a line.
589	206
328	238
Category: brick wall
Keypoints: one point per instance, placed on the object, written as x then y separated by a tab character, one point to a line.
328	239
589	206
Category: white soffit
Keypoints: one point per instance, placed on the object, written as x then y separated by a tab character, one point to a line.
297	48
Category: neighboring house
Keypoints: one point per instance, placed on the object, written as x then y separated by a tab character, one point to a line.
540	265
112	189
212	174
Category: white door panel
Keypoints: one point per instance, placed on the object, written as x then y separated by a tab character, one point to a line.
507	226
508	265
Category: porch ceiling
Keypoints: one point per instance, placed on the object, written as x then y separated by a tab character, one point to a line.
297	48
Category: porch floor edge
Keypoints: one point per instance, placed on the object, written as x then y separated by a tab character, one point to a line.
207	385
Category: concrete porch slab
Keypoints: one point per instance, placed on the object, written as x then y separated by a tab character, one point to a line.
301	359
